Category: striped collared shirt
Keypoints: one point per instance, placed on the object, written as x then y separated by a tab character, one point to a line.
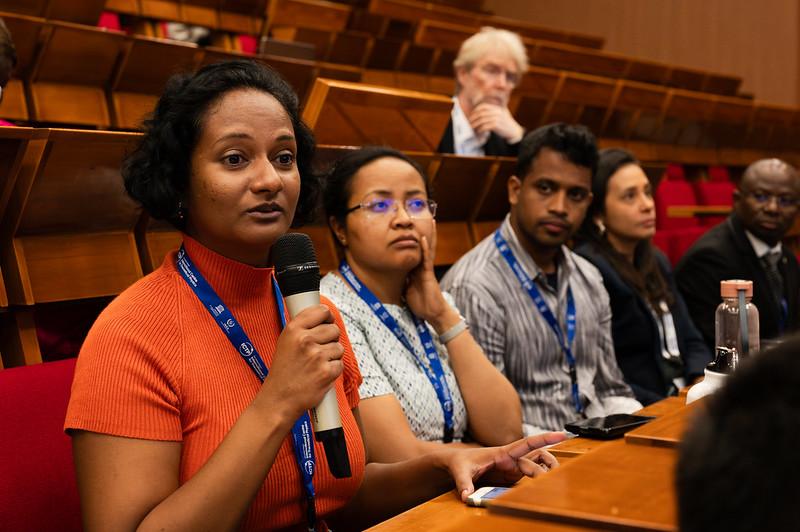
506	323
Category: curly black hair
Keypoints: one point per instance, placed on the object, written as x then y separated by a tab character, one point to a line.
157	172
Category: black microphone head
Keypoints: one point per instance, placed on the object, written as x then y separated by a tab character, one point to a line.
295	261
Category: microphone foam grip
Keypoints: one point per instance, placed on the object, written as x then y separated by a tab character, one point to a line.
295	261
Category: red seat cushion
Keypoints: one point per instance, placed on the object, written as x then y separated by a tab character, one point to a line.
37	477
674	172
675	242
248	44
714	193
718	174
671	193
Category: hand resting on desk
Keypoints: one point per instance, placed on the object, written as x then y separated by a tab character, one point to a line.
500	465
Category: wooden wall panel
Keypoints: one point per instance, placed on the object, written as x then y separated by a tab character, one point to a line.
755	40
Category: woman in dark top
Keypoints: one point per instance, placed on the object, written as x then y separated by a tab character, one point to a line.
658	347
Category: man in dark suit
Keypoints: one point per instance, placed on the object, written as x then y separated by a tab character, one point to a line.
488	67
748	246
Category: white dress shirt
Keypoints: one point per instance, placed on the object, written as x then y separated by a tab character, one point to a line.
760	247
465	140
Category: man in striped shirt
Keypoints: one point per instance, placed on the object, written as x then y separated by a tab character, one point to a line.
541	312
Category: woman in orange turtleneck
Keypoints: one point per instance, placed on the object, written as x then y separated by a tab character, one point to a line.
171	429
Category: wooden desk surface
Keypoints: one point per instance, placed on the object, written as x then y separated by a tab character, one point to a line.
687	211
448	513
666	431
616	485
578	446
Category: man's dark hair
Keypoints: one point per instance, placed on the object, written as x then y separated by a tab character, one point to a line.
337	189
157	173
575	142
737	467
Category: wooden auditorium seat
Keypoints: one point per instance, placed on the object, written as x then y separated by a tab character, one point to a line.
492	204
25	32
146	65
72	70
459	182
449	35
68	230
354	114
415	11
299	73
17	333
80	12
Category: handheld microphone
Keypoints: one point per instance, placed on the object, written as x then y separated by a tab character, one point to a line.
297	272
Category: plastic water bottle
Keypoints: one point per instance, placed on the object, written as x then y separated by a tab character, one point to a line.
736	336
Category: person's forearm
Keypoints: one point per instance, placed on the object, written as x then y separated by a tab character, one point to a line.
217	497
389	489
493	408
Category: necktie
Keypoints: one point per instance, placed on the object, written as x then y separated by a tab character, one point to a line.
770	262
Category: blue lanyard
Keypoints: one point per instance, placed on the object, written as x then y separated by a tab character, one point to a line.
302	435
433	370
528	284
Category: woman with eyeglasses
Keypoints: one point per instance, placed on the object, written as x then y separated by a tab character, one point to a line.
658	348
189	406
426	380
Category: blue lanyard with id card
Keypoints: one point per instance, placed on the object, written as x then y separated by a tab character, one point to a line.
530	287
433	370
302	433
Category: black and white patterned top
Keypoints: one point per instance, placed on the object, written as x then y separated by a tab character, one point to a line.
388	368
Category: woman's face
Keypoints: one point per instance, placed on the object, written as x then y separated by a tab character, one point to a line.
630	213
244	182
385	233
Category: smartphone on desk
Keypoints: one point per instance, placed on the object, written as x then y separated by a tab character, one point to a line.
480	496
608	427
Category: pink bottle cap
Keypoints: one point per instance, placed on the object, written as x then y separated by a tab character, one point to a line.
731	288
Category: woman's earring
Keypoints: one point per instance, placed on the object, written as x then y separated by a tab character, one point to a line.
181	212
601	228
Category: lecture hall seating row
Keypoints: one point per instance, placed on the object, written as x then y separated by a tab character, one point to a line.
431	45
85	76
69	232
66	68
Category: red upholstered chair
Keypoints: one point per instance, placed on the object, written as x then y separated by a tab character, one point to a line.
248	44
719	174
674	192
714	193
674	172
37	477
675	234
109	21
718	190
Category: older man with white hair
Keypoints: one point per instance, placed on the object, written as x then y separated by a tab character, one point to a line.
488	67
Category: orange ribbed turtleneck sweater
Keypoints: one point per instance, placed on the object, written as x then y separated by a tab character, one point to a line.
156	366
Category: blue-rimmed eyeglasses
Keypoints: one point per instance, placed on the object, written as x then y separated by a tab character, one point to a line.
414	207
783	200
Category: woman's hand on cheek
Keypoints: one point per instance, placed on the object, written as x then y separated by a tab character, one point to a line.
500	465
423	294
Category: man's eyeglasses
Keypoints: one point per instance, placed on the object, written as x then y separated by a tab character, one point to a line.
415	207
496	71
783	200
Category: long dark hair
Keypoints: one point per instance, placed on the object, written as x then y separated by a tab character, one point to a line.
645	274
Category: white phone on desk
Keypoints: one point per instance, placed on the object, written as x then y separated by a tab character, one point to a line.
481	495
